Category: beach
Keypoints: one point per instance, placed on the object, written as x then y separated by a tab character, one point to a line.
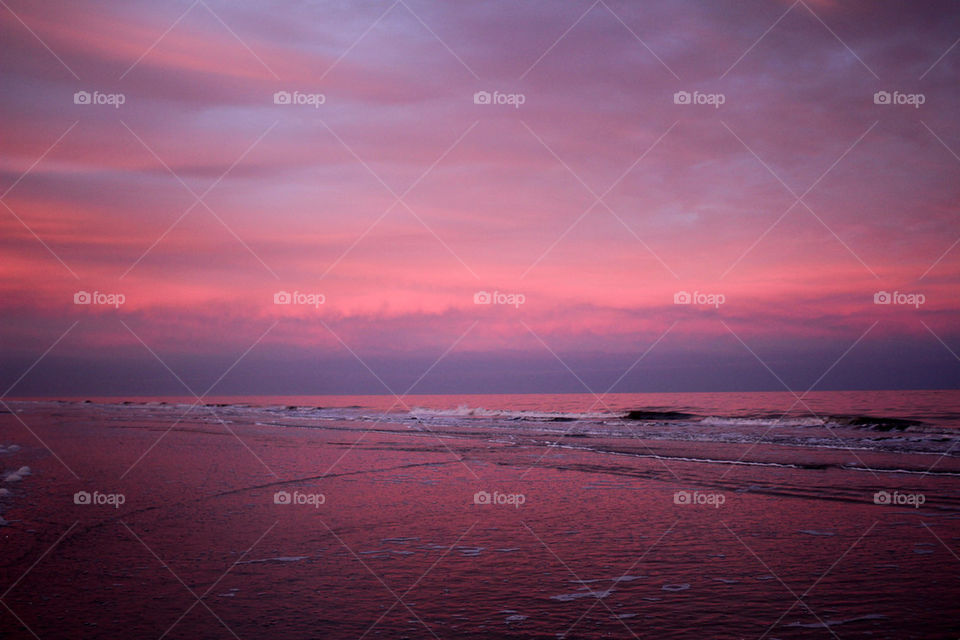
523	320
297	522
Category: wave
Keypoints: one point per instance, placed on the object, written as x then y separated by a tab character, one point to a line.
876	423
464	411
721	421
649	415
643	414
659	415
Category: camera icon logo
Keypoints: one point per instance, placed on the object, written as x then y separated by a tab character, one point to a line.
281	97
81	97
881	497
681	97
281	497
682	297
481	497
882	297
282	297
482	297
82	297
681	497
82	497
482	97
882	97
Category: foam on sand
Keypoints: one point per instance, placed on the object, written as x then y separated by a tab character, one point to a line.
18	475
567	597
832	623
277	559
470	551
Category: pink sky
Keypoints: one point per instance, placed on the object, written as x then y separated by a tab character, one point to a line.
694	198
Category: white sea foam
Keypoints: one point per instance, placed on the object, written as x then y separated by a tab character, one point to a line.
718	421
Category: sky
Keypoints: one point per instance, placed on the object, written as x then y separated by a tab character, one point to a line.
391	163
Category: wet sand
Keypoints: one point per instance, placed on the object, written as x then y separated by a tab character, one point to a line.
377	533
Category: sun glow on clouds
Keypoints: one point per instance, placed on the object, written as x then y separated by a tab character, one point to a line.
400	196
